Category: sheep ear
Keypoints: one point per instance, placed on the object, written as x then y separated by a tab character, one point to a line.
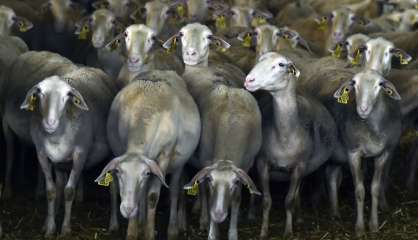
78	100
344	88
23	24
108	168
116	42
30	99
293	70
156	170
390	90
171	42
199	177
246	180
220	42
80	25
404	57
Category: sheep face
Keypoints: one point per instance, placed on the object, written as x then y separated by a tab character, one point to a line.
120	8
103	26
157	13
341	22
133	172
378	55
197	10
368	86
408	20
60	10
139	39
353	43
266	37
7	16
224	181
195	39
8	19
52	97
273	72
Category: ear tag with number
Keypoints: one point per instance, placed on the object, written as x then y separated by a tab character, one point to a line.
194	190
357	58
403	60
338	51
323	23
32	102
22	27
108	178
220	22
343	99
84	32
173	46
247	40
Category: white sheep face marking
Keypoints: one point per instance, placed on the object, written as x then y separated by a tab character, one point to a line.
271	73
378	55
139	39
195	40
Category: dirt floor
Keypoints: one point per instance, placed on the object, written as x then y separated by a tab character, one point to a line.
23	216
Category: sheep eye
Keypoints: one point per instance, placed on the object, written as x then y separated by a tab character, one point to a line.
281	64
352	83
147	173
125	34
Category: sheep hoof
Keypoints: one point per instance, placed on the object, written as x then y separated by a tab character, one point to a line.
359	230
66	230
374	227
113	227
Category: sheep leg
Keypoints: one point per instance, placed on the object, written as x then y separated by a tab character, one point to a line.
51	193
152	201
80	190
173	229
413	158
264	175
182	214
40	185
204	214
334	180
235	204
252	208
79	159
379	168
60	183
10	156
357	173
114	223
132	232
290	202
213	230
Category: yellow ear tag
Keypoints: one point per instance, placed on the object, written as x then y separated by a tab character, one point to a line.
389	91
106	180
32	102
403	60
181	11
338	51
22	27
323	24
114	45
248	40
357	58
343	99
220	22
173	46
194	190
76	100
260	20
84	32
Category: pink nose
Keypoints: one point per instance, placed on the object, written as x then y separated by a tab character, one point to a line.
364	108
191	52
338	36
133	60
51	122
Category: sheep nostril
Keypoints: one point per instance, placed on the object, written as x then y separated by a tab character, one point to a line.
250	80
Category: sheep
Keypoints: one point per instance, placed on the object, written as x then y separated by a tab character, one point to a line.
352	44
328	31
10	49
153	129
297	140
196	40
103	26
378	55
9	21
232	115
370	127
66	107
121	8
161	16
138	43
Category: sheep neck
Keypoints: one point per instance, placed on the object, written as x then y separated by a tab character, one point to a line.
286	115
4	30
